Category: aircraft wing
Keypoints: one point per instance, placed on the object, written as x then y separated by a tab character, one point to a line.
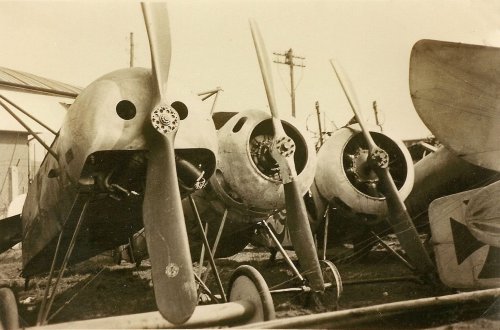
455	89
29	83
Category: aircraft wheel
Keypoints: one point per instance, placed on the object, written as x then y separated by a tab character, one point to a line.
247	283
332	277
9	318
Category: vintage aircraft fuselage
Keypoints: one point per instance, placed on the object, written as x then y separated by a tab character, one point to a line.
247	181
102	151
348	188
343	171
443	173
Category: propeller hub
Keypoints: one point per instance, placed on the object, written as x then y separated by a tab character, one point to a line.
379	158
165	119
285	146
360	168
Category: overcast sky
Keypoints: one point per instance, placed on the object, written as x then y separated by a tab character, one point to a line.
76	42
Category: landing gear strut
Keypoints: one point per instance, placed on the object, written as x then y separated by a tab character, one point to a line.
330	274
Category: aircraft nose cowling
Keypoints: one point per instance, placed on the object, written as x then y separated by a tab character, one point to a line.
247	175
113	112
196	143
343	170
197	130
107	115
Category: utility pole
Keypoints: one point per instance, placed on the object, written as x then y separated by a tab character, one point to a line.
289	61
131	49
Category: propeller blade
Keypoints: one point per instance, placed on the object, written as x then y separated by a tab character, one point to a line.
166	236
158	28
398	216
163	217
353	102
267	77
402	224
282	151
302	237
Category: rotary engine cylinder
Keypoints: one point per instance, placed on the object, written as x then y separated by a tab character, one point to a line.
247	176
343	171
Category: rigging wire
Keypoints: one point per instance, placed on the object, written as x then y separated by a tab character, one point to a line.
66	303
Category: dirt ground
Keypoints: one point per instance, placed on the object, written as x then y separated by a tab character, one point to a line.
99	288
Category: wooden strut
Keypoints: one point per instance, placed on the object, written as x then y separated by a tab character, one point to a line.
202	253
43	313
130	249
209	94
49	280
358	317
393	252
207	316
35	135
39	122
205	288
283	252
325	233
207	247
52	267
216	243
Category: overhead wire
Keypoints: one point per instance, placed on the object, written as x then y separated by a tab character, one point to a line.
282	81
300	78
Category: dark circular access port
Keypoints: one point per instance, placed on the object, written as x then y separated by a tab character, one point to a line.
181	109
125	109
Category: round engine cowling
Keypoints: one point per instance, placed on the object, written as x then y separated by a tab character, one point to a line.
343	171
247	176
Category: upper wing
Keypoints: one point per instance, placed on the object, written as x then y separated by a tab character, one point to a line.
30	83
455	89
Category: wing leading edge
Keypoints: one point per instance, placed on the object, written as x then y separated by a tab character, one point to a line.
29	83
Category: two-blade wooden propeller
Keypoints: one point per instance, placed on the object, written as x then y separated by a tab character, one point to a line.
166	236
283	149
398	216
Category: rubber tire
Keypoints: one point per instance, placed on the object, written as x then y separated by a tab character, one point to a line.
332	275
246	283
9	318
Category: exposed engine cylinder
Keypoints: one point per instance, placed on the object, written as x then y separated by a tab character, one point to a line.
247	176
343	171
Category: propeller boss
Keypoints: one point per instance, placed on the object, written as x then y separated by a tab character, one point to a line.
285	146
380	158
165	119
